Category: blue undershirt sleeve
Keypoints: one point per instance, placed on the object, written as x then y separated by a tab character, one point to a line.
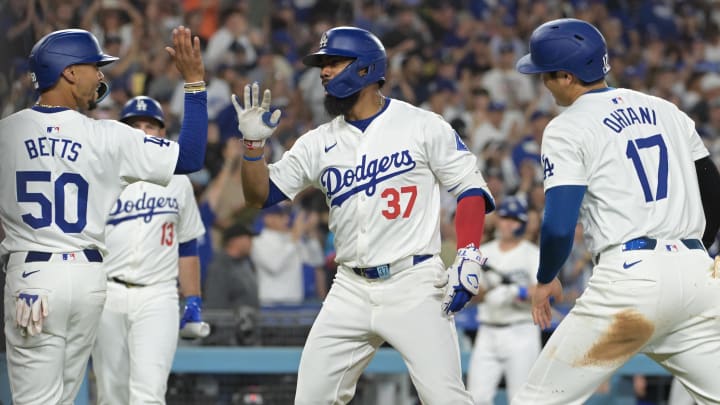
193	134
562	208
189	248
274	195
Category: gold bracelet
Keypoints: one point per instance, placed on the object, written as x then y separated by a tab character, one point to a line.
201	83
194	90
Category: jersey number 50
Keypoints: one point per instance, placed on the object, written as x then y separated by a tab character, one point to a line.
633	154
46	206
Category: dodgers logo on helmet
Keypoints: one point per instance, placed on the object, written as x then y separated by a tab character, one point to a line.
356	43
513	207
60	49
567	44
143	106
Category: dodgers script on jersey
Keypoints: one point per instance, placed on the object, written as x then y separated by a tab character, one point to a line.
58	213
155	219
636	155
372	181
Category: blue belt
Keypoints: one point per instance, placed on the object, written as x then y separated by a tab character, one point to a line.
650	244
644	243
92	255
383	270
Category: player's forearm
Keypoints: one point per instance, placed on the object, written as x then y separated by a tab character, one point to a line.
193	133
189	276
255	178
562	208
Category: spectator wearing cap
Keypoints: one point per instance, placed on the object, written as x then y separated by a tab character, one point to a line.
529	146
710	89
234	35
109	18
442	98
478	58
232	284
232	280
505	83
278	256
496	127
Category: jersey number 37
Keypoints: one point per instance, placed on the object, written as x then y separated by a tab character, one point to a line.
61	194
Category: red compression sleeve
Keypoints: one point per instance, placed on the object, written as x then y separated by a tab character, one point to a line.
469	220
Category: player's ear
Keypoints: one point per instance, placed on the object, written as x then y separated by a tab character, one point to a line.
69	74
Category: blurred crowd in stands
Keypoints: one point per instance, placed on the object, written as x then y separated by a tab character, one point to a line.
454	57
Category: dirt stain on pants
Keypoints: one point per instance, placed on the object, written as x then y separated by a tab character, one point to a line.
628	333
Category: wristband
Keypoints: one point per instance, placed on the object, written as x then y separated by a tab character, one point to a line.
253	159
522	293
253	144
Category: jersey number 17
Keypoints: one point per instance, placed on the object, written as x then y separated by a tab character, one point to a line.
632	152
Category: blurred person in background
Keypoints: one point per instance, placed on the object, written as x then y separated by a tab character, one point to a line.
507	342
151	235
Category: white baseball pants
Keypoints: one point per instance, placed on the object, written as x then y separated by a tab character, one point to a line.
136	343
663	302
358	315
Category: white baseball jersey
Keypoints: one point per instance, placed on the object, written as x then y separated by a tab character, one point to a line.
501	304
146	225
382	185
635	154
59	176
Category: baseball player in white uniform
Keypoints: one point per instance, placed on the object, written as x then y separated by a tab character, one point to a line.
507	342
380	163
152	244
635	171
61	174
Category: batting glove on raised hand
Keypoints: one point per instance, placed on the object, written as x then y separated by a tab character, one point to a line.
463	279
31	308
191	324
255	121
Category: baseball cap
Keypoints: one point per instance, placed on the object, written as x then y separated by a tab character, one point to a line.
496	106
441	85
277	209
539	114
235	230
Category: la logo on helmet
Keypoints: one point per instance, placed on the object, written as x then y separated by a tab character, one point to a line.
141	106
324	40
606	64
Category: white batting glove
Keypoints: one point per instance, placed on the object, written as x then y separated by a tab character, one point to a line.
463	279
255	122
31	308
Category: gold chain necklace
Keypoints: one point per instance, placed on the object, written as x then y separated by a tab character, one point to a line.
49	106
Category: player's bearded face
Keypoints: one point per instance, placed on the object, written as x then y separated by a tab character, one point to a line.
340	106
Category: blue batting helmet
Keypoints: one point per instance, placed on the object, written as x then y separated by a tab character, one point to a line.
143	106
514	208
567	44
356	43
60	49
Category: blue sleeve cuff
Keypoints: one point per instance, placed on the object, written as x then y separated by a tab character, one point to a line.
562	209
189	248
522	293
193	134
489	202
274	196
